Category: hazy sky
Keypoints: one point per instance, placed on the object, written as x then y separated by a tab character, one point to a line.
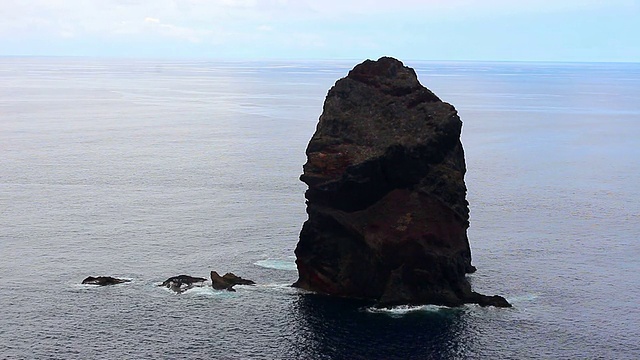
529	30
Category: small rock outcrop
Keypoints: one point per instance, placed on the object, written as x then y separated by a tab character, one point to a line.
228	281
182	283
103	280
387	207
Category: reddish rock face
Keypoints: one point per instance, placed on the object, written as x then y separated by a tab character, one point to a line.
387	201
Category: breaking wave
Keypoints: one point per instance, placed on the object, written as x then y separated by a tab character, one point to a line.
401	310
522	298
208	291
278	264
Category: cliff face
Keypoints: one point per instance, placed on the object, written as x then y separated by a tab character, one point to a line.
386	199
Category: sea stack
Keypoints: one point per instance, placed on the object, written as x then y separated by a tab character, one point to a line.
387	207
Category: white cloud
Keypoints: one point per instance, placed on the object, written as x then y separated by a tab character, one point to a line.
185	33
239	3
105	17
271	25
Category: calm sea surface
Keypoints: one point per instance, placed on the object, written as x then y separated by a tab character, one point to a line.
151	169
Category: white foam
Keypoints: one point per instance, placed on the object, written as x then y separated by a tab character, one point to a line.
207	291
282	288
401	310
522	298
278	264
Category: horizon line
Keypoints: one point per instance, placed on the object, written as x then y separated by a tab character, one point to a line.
270	59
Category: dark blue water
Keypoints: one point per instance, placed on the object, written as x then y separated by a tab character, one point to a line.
150	169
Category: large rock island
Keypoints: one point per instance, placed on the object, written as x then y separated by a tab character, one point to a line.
388	214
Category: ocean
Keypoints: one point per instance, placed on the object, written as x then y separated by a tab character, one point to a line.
147	169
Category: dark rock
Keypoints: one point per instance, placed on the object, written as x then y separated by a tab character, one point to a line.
227	281
219	283
182	283
495	300
103	280
387	204
236	280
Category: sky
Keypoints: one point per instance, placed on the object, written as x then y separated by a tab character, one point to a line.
452	30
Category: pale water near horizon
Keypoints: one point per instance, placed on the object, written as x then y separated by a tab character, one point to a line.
147	169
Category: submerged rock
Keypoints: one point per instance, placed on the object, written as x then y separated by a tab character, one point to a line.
103	280
387	200
227	281
182	283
